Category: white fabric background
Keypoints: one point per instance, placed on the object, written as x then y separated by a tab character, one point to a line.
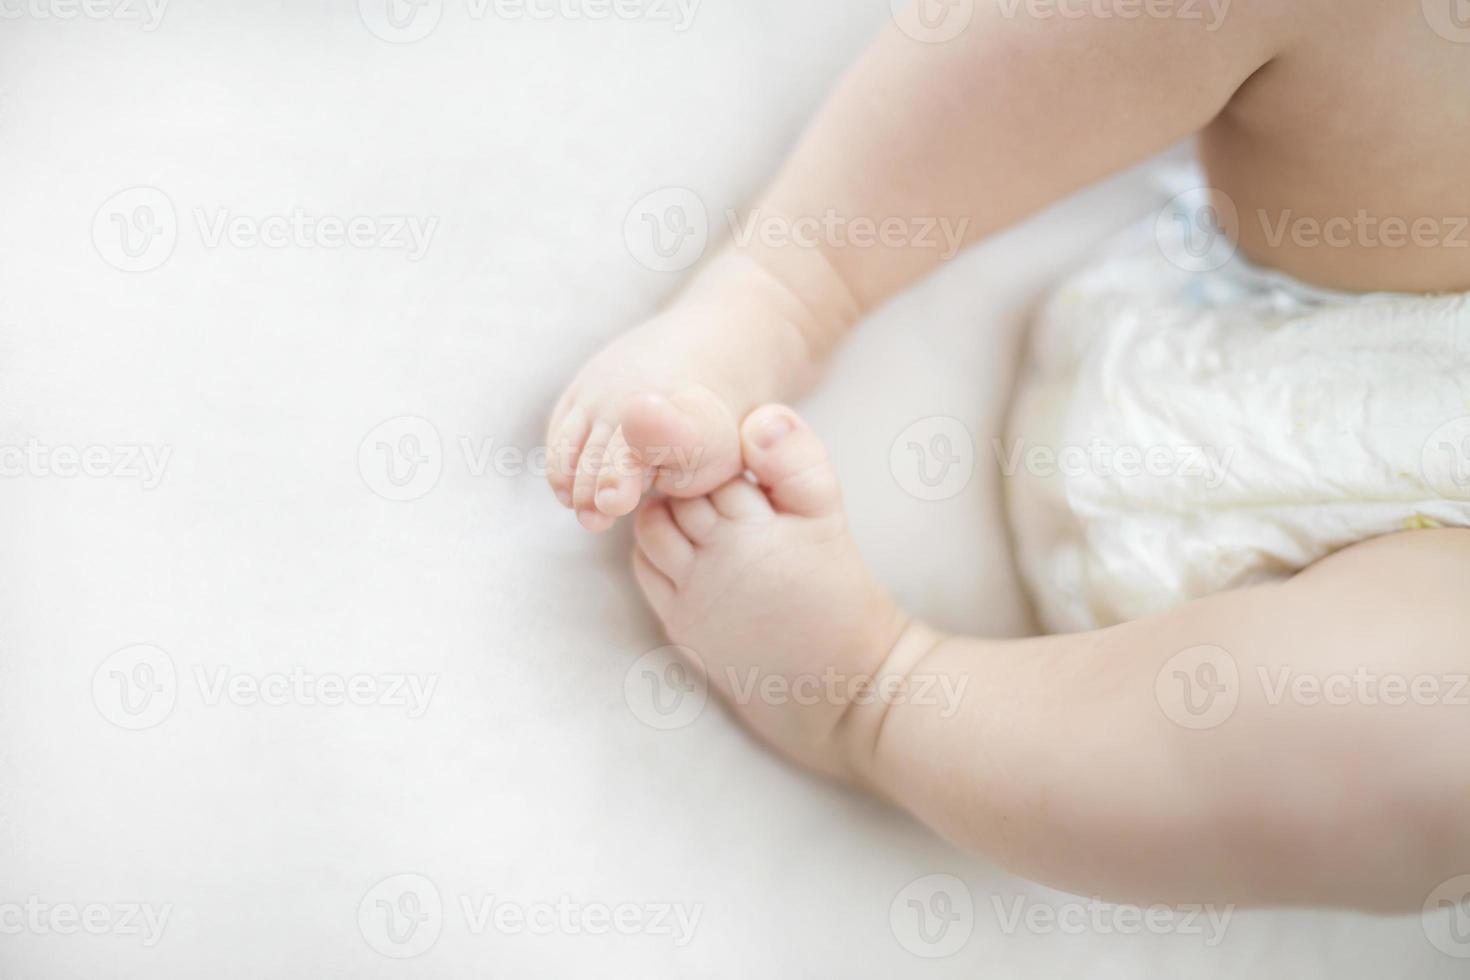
263	549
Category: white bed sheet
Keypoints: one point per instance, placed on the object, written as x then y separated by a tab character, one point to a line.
263	550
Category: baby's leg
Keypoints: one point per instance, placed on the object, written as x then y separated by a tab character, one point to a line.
1293	743
923	149
1300	742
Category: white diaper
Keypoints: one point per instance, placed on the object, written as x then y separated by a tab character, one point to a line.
1178	432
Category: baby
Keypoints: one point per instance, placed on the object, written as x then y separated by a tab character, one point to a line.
1158	745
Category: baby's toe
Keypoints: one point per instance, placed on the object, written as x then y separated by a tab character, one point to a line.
689	440
740	500
654	583
663	543
589	465
696	517
790	463
563	449
620	482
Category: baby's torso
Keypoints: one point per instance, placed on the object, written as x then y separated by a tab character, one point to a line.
1343	161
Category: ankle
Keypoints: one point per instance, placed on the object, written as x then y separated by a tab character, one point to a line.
819	300
787	312
896	681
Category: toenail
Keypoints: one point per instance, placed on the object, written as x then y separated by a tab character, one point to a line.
606	497
773	431
565	497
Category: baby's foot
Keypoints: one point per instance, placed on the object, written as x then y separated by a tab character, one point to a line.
639	414
763	582
661	405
